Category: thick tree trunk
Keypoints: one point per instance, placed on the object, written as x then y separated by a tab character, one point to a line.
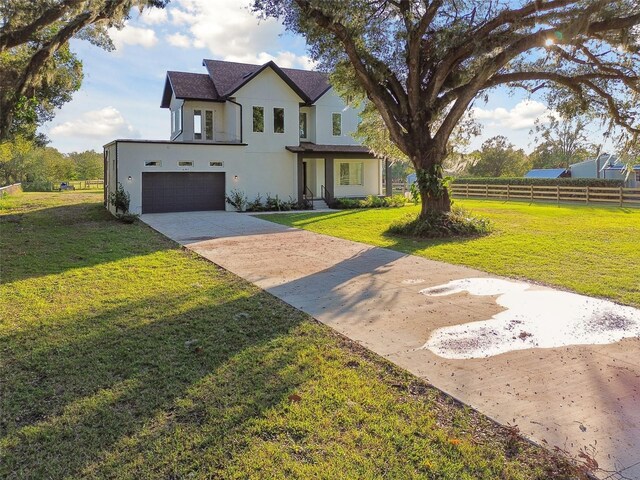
433	192
435	204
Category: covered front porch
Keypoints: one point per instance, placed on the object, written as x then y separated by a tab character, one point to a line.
326	172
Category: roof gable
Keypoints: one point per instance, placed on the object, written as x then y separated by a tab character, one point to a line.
223	79
192	86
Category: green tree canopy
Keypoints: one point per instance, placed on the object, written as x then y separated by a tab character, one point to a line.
423	63
563	142
499	158
39	72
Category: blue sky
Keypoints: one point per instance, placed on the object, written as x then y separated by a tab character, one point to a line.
121	91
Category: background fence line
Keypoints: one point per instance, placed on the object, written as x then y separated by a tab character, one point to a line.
584	194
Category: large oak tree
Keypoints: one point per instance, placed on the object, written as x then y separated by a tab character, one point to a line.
423	63
39	72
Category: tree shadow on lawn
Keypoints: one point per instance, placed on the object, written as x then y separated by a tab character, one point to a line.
56	239
76	395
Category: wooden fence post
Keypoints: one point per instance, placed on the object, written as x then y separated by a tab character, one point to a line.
587	194
486	190
467	189
621	196
557	193
531	186
508	192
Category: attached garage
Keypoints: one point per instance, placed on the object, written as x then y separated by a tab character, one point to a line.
182	191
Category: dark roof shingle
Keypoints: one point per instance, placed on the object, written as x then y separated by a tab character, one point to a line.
225	78
193	86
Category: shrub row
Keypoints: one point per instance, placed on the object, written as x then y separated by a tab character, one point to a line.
241	203
566	182
372	201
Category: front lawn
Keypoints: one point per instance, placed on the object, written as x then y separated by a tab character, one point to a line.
590	250
124	356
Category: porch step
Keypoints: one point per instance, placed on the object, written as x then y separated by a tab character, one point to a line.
319	204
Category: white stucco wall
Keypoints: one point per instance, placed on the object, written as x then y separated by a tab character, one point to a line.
326	105
257	173
268	90
311	124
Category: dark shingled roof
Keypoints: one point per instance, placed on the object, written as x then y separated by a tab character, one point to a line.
225	78
193	86
308	147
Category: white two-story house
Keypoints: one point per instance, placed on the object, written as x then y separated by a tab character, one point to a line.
258	129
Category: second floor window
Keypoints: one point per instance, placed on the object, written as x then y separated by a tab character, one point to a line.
278	120
303	124
258	119
336	124
197	124
208	124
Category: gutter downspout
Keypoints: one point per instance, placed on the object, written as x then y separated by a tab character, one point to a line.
239	105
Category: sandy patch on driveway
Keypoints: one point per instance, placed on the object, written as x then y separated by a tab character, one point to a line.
534	317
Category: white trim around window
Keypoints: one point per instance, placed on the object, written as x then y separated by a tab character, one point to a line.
333	124
351	174
278	119
255	126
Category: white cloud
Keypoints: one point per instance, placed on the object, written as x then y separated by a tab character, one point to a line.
231	32
282	59
106	124
179	40
129	35
523	115
154	16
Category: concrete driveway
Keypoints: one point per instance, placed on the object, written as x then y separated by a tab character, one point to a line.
458	328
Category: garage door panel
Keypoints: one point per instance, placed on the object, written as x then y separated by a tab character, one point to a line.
182	191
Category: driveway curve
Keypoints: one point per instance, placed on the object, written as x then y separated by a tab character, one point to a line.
580	394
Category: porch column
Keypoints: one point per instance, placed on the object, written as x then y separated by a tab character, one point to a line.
388	179
328	175
300	179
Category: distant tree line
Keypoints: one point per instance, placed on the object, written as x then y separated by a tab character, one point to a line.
23	160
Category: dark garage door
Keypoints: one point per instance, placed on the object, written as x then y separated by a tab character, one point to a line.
182	191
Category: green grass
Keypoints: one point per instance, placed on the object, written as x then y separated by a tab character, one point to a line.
590	250
124	356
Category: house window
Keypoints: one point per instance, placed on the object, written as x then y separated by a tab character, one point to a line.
303	124
336	124
208	124
351	173
185	164
278	120
153	163
197	124
258	119
216	164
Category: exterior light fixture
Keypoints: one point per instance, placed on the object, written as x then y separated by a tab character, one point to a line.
235	178
129	178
